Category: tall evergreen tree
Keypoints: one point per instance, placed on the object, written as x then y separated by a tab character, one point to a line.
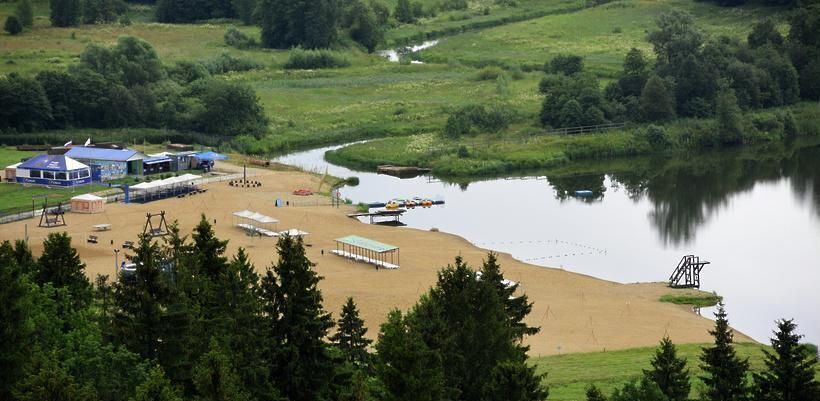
47	380
516	306
593	393
644	390
215	379
14	311
157	387
61	266
669	372
296	325
725	378
25	13
209	250
350	336
790	369
409	369
512	381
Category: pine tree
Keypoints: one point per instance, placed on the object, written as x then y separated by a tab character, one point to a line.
141	299
210	250
296	325
350	336
22	255
157	387
645	390
61	266
409	369
593	393
512	381
25	13
215	379
725	378
47	380
14	329
517	307
790	369
669	372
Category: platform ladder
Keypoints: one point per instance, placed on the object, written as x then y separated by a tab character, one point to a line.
687	273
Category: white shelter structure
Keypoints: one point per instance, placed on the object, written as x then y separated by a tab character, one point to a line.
87	203
165	188
256	223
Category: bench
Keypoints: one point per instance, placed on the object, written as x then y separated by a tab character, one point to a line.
128	245
92	239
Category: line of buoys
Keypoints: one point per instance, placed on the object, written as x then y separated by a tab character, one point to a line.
556	241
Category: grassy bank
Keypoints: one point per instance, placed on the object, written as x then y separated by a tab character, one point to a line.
526	148
699	299
570	374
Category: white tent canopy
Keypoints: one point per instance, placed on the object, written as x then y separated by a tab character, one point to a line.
171	181
294	232
257	217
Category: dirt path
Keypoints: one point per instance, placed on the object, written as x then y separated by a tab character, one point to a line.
576	313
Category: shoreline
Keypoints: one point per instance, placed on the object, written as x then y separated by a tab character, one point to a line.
576	312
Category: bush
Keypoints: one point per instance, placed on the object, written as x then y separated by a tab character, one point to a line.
472	119
301	59
225	63
488	74
236	38
13	25
566	64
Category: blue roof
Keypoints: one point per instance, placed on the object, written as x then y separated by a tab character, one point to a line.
52	162
211	156
154	160
119	155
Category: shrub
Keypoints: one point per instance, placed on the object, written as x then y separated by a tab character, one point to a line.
566	64
301	59
236	38
516	73
13	25
225	63
488	73
477	118
463	153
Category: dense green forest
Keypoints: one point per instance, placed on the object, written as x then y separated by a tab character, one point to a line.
190	322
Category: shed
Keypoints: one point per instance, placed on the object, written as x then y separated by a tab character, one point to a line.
11	172
56	170
87	203
109	164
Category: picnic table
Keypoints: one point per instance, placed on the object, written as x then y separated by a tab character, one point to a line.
102	227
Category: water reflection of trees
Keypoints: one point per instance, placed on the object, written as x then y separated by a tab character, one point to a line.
686	192
565	186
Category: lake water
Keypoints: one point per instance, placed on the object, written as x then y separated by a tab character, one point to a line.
754	214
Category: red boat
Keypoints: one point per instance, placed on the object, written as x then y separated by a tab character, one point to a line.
303	192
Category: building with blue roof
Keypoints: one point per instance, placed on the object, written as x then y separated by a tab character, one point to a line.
109	164
53	170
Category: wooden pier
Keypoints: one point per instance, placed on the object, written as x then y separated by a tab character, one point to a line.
389	217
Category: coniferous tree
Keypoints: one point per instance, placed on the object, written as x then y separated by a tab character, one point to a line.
215	379
61	266
725	378
512	381
209	250
404	12
66	12
790	369
669	372
13	25
409	369
516	306
141	299
644	390
14	311
157	387
350	336
46	380
25	13
22	255
593	393
296	325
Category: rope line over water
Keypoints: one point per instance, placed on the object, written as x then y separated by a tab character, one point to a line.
585	250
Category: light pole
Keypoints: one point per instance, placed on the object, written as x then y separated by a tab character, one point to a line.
117	261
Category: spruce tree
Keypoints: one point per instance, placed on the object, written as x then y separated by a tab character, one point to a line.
517	306
61	266
209	249
644	390
47	380
790	369
215	379
593	393
296	325
13	25
409	369
14	312
22	255
350	336
157	387
669	372
25	13
725	378
512	381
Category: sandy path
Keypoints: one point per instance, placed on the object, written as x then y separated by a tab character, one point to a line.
576	313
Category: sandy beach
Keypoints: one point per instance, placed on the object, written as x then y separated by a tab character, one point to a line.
576	313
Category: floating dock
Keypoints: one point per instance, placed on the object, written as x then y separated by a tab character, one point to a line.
401	171
386	217
383	204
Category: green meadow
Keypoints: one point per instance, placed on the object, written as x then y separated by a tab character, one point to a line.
569	375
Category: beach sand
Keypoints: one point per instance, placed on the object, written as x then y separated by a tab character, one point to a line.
576	313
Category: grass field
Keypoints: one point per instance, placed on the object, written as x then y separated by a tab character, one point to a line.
569	375
602	35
